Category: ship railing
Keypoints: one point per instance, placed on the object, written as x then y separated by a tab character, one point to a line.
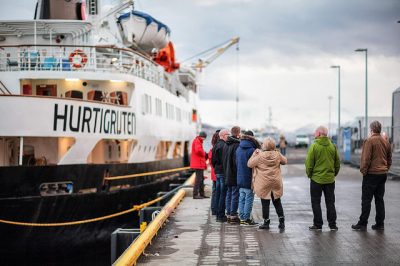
73	58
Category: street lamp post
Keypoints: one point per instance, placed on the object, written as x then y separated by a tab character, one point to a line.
338	130
366	89
329	124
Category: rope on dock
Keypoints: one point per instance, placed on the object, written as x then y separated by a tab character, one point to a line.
147	174
134	208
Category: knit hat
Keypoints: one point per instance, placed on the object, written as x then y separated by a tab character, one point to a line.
249	133
202	134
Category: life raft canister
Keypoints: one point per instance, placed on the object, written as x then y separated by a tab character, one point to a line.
78	58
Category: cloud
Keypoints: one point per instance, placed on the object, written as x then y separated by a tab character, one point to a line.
286	50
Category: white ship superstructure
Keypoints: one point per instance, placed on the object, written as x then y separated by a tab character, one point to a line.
75	92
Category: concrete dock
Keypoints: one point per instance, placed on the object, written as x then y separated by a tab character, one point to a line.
193	237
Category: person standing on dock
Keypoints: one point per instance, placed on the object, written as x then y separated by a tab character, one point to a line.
214	206
198	163
229	163
267	180
217	163
322	166
244	176
282	145
376	159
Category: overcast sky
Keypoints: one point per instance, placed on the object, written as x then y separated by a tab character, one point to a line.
286	50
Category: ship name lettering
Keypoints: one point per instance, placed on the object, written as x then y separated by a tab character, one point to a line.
93	119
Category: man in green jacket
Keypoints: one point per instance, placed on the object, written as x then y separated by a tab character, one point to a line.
322	165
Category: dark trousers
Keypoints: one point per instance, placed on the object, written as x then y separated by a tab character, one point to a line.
198	187
329	195
220	195
232	200
214	205
373	186
265	207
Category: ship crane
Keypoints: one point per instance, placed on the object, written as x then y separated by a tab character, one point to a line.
213	53
210	55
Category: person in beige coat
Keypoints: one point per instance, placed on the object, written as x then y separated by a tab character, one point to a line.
267	180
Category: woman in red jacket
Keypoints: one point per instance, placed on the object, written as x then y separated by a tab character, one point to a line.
198	163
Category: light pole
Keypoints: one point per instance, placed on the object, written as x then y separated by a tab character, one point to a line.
366	89
329	124
338	130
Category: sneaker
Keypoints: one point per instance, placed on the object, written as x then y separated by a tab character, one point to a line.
248	222
265	225
234	220
198	197
222	219
378	227
315	227
204	196
333	227
358	227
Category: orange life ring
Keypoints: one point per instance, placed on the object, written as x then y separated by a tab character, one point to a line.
78	58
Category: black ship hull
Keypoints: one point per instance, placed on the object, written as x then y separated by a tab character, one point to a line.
85	244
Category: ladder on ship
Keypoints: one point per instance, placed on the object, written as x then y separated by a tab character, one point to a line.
93	7
3	89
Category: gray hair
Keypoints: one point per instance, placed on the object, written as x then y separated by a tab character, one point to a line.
223	132
375	126
323	131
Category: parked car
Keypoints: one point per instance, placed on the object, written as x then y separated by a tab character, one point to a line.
302	141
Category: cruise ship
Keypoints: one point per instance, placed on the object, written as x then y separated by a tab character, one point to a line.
86	95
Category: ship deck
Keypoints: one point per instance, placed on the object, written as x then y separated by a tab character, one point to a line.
193	237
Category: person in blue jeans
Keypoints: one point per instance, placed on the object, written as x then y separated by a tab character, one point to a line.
229	164
217	163
214	206
244	176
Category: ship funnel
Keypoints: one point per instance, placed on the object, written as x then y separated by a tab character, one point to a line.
61	9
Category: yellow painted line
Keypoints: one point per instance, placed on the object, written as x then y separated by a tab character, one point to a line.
147	173
133	252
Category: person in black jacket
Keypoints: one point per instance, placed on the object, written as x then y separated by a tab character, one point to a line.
216	161
230	170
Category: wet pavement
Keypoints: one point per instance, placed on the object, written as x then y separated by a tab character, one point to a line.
193	237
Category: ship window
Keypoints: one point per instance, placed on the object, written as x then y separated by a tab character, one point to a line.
119	97
95	95
46	90
56	188
146	104
74	94
158	107
170	111
177	150
178	114
145	147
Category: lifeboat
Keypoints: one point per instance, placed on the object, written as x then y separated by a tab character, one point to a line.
144	30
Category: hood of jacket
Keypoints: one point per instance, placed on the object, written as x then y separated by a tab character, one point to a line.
247	142
270	158
324	141
232	140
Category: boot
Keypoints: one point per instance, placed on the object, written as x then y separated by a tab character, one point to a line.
265	225
281	222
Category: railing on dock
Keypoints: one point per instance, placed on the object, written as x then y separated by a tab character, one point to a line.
133	252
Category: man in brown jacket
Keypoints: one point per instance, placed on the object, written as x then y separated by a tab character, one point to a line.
376	159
